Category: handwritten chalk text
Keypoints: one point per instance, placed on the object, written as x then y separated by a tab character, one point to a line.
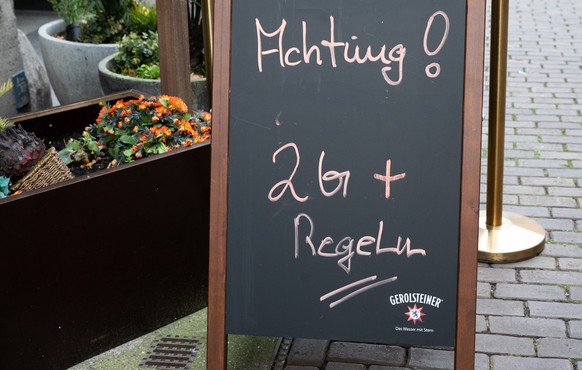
294	56
344	249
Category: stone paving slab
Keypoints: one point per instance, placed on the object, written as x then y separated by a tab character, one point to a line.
369	354
430	358
529	363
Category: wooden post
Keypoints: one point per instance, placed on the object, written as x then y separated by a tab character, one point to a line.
468	238
217	339
174	49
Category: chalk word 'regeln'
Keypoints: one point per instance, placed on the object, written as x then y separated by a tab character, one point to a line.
345	248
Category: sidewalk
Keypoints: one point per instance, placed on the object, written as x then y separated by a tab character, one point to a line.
529	314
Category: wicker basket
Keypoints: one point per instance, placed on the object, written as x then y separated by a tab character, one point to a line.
49	170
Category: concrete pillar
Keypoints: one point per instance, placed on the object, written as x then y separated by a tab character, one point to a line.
16	54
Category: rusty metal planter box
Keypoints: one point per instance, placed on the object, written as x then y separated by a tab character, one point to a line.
93	262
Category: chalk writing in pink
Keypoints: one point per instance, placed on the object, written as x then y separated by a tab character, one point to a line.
294	56
355	292
436	66
342	177
387	178
344	248
287	183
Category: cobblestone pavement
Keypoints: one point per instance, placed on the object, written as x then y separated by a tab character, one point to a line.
529	314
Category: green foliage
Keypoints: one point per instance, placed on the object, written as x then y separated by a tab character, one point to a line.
116	9
99	30
148	71
4	88
115	18
138	56
80	150
72	11
143	18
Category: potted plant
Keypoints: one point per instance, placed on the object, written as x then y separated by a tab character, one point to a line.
97	260
72	66
72	12
136	66
136	128
24	159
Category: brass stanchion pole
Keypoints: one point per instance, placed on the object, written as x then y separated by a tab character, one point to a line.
503	236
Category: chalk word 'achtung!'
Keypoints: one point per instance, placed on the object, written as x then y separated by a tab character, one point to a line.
294	56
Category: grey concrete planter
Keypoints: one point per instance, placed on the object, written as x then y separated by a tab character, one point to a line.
72	66
113	82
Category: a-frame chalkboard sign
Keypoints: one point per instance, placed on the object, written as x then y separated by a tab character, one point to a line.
345	174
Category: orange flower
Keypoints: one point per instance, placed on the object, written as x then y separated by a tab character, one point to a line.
175	103
168	123
161	111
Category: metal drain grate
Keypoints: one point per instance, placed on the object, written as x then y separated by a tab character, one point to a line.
169	353
281	353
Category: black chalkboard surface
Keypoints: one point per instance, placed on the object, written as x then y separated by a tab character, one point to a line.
345	169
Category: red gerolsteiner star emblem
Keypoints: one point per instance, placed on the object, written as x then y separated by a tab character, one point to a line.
414	314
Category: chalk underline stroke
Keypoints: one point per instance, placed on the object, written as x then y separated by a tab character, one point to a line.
356	292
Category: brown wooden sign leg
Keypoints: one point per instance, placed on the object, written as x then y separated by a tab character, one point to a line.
217	348
468	238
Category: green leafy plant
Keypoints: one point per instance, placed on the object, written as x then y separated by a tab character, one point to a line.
82	150
4	88
143	18
137	128
138	55
112	19
148	71
72	11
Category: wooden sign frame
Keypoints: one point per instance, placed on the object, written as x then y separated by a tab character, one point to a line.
469	197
